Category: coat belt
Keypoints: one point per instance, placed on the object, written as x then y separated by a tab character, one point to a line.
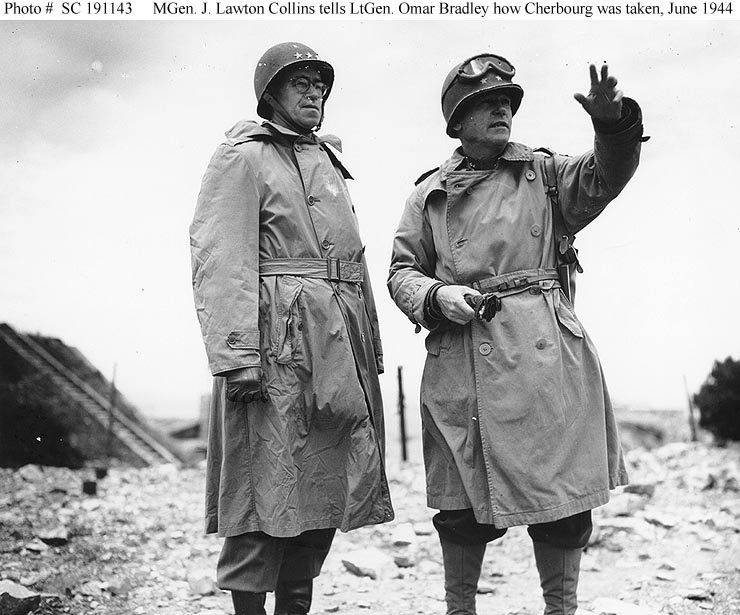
509	283
333	269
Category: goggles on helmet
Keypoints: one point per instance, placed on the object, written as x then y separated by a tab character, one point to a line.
476	67
484	72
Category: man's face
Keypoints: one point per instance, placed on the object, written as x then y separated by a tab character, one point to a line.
485	123
303	106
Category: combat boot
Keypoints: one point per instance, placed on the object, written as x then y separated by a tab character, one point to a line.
559	569
248	603
462	565
293	597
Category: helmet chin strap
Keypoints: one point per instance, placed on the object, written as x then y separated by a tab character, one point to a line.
278	108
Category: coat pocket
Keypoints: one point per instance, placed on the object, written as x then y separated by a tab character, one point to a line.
288	324
565	316
438	341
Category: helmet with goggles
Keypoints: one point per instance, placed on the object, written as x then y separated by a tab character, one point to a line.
480	74
284	55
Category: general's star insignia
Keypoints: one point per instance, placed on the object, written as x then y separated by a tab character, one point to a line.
298	55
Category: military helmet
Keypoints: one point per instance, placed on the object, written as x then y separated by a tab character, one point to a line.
481	73
279	57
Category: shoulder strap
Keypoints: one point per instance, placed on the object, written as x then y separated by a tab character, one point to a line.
335	161
565	254
423	176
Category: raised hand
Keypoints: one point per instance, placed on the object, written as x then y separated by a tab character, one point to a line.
604	100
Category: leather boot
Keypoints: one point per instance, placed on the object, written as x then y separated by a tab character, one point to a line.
462	571
293	597
558	568
248	603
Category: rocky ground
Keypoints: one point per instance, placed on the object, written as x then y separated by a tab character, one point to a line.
669	544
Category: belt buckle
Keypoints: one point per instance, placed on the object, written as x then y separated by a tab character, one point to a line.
333	269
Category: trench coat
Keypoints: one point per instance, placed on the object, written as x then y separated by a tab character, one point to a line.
312	455
516	417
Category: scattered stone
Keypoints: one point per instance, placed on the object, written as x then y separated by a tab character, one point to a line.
403	535
662	576
630	525
91	588
119	586
663	520
697	593
16	599
403	561
36	578
90	505
485	588
612	606
424	528
54	537
370	562
201	583
645	489
623	505
36	546
31	473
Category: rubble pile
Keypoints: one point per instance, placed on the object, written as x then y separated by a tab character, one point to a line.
669	543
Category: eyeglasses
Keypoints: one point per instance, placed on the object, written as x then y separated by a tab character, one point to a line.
474	68
303	85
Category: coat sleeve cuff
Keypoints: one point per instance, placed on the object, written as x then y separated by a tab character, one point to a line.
419	303
627	128
240	348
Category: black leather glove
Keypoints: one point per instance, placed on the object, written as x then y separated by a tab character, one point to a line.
245	384
485	306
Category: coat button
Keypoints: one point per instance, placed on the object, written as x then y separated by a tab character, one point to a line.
326	244
298	147
484	348
534	290
468	191
536	230
311	199
362	336
541	344
530	175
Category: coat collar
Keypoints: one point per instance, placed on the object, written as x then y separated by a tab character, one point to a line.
248	130
513	152
436	180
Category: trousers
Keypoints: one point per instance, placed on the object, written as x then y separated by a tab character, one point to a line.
460	527
253	562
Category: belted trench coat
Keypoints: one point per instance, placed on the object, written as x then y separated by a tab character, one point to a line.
311	456
516	417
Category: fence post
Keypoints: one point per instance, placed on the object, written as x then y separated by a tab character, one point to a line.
692	418
402	414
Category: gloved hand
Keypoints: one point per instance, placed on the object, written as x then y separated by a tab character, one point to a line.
484	306
245	384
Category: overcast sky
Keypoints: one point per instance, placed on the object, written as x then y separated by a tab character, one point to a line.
107	128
